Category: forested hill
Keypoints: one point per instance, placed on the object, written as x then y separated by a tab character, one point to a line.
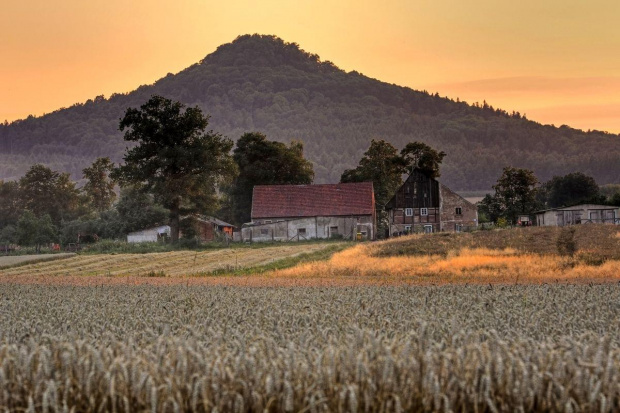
261	83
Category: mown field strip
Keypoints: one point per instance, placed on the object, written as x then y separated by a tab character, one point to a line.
18	260
176	263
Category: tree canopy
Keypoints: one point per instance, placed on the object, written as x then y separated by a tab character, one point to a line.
570	189
420	156
175	159
515	194
99	187
382	165
47	192
264	162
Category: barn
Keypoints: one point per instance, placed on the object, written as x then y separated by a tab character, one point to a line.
423	204
303	212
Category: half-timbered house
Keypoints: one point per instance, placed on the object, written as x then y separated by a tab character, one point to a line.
423	204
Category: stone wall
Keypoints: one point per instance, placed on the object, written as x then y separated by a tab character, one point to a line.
451	205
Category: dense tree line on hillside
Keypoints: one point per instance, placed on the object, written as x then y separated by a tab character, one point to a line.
262	83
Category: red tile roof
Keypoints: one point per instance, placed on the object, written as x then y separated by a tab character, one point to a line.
288	201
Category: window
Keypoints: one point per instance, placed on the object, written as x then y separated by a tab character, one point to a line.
424	212
428	229
408	212
267	221
408	229
458	211
458	227
301	231
333	230
264	231
407	189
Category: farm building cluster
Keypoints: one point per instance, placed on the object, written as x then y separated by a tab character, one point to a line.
348	211
206	228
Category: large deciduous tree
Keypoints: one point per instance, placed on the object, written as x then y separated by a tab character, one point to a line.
175	159
44	191
10	203
420	156
35	231
515	192
265	162
570	189
99	187
382	165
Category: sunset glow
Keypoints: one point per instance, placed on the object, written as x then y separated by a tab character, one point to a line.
556	61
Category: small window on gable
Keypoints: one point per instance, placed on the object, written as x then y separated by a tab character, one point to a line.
424	212
408	212
407	189
459	211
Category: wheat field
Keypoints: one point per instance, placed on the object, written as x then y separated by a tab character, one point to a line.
541	348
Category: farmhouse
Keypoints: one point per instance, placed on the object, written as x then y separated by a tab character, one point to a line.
579	214
302	212
423	204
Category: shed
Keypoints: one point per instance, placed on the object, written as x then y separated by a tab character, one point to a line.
579	214
149	235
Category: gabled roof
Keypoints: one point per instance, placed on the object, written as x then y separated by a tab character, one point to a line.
218	222
288	201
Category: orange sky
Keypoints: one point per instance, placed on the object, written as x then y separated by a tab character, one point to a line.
558	61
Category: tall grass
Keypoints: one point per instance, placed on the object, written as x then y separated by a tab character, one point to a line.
464	265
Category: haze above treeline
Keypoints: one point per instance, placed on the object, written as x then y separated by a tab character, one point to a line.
262	83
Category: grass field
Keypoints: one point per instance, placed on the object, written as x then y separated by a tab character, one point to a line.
378	349
512	256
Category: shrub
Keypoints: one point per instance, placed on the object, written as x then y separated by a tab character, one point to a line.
566	244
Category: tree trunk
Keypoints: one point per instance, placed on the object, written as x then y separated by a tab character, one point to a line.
174	221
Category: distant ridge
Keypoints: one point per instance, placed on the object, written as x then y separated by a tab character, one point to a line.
263	83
